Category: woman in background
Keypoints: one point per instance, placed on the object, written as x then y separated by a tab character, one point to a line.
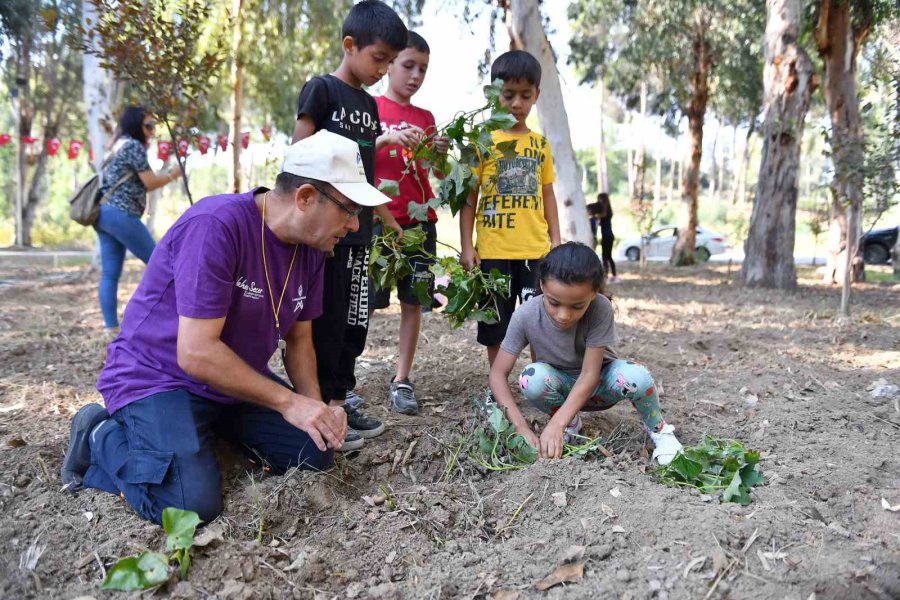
604	216
127	177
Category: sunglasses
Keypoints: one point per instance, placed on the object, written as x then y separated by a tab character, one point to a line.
350	212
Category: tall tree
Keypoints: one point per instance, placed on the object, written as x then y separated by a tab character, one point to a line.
526	32
789	83
842	28
684	44
44	65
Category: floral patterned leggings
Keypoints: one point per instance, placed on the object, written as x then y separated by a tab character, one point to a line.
547	387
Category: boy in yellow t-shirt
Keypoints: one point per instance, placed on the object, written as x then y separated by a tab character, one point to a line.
514	209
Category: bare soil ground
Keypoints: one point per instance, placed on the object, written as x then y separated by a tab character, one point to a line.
774	370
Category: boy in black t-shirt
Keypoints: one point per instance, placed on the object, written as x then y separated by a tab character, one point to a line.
373	35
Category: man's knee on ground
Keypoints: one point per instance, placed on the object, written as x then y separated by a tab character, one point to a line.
207	503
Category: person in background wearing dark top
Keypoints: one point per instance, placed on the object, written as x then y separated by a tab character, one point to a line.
373	36
604	216
593	209
119	225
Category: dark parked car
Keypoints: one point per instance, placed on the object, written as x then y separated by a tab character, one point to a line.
877	245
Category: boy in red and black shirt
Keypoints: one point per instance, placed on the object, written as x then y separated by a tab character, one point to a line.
397	114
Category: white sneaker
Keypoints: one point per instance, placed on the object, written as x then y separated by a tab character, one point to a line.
667	445
572	429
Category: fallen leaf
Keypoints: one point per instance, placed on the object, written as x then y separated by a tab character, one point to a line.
887	505
608	511
368	500
617	529
615	493
562	574
505	595
17	442
559	499
89	516
298	562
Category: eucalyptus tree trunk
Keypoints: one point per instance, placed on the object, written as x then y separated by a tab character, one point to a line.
237	99
683	251
602	172
838	41
640	154
526	32
788	86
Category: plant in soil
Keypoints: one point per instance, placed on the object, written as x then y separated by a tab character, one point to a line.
496	446
715	467
150	569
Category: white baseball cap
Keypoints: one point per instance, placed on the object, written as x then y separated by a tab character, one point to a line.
334	159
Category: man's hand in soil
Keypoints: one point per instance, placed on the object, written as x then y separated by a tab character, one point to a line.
326	425
552	441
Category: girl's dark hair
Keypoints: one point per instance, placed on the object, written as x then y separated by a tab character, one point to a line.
131	123
517	64
606	210
573	263
373	20
418	42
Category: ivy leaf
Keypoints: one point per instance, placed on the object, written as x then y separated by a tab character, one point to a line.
389	187
179	526
500	119
416	211
507	149
137	572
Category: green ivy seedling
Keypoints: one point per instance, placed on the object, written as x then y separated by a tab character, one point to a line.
150	569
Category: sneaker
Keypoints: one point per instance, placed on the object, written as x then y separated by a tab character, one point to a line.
78	455
572	430
366	426
352	441
354	399
667	445
403	397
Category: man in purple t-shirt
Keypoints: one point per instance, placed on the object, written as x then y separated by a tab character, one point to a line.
236	278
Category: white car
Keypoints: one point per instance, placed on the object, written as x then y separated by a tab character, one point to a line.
658	244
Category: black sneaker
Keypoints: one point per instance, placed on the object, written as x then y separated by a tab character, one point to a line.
366	426
78	454
352	441
354	399
403	397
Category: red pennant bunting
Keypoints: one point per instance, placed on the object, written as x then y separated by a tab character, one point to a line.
27	139
222	140
183	147
203	144
245	139
5	138
53	145
266	133
163	150
74	148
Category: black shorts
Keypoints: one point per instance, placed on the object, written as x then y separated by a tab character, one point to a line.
524	285
421	273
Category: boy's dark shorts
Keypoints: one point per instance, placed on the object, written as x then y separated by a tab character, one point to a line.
421	272
524	285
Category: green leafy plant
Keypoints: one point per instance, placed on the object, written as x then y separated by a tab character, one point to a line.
471	294
470	141
496	446
715	466
391	259
150	569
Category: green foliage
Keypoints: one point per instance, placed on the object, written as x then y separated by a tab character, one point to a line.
470	294
150	569
496	446
629	42
181	54
470	141
390	261
715	467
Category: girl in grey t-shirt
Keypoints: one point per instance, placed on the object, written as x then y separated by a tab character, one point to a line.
571	330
